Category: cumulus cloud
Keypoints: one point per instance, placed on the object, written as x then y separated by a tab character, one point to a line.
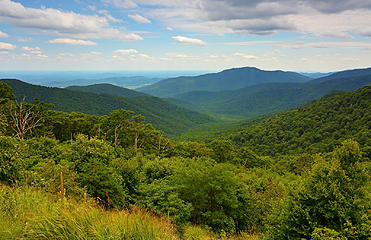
34	50
7	46
126	51
342	44
121	3
3	35
187	40
133	54
70	41
263	17
245	56
54	21
109	16
140	19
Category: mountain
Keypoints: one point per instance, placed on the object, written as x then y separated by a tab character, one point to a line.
315	74
345	74
134	81
271	97
165	116
314	127
106	88
230	79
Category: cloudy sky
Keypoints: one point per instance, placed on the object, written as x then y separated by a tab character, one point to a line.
301	35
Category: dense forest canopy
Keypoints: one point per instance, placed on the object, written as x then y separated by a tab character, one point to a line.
168	117
302	174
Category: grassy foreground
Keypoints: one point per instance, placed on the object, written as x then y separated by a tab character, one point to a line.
28	213
31	214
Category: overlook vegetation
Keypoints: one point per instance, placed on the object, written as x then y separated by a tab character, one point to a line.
110	89
315	127
301	174
168	117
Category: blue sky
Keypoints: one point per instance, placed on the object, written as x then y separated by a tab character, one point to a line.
300	35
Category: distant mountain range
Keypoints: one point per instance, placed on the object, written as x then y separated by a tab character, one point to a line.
271	97
231	79
266	92
132	82
164	115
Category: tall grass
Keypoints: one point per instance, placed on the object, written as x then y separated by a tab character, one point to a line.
26	213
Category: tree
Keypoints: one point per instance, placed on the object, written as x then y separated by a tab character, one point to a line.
26	117
334	195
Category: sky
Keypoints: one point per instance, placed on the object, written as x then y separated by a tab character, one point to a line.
297	35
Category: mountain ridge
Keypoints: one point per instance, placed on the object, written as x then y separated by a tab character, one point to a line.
170	118
237	78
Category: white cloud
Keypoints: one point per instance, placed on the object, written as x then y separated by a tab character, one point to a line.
7	46
34	50
56	22
186	40
341	44
245	56
248	43
263	17
41	56
178	55
121	3
109	16
25	39
70	41
3	35
126	51
132	54
140	19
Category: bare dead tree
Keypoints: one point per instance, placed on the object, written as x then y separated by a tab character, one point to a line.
25	119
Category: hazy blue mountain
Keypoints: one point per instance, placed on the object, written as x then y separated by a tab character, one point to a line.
132	82
270	97
230	79
105	88
164	115
315	74
345	74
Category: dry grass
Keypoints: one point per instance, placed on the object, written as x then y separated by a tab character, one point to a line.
32	214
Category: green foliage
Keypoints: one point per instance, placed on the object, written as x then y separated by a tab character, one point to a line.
316	127
27	213
161	197
326	234
334	195
110	89
163	115
6	93
268	98
225	185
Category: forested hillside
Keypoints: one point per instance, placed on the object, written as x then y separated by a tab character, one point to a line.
303	174
105	88
315	127
230	79
168	117
271	97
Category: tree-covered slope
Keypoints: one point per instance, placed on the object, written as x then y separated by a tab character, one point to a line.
230	79
163	115
266	98
106	88
315	127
